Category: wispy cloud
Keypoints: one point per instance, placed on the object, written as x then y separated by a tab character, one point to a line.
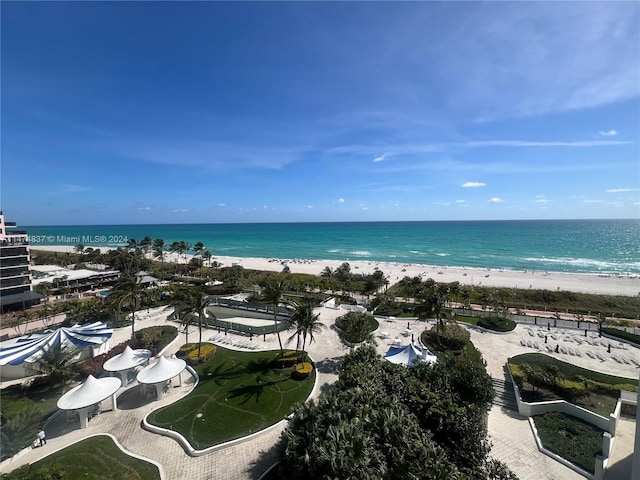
496	200
383	157
473	184
621	190
608	133
66	188
178	210
341	200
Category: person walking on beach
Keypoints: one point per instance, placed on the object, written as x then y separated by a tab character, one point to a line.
42	437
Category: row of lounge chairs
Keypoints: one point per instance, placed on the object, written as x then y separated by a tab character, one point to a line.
236	342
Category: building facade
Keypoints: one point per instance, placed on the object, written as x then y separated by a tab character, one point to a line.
15	272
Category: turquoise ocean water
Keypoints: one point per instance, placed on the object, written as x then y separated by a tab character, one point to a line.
576	246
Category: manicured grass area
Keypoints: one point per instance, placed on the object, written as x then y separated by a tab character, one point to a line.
571	438
239	393
25	410
96	457
604	390
621	334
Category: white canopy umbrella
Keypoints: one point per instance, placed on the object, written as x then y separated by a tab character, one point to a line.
406	355
162	371
126	361
91	392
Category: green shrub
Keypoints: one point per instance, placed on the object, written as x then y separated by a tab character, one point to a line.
206	350
497	324
356	327
286	359
450	335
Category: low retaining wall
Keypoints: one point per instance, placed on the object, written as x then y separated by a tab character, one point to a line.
609	425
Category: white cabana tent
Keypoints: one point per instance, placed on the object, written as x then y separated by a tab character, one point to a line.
126	362
406	355
161	372
31	348
90	393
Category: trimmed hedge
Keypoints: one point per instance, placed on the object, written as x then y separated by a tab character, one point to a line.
497	324
621	334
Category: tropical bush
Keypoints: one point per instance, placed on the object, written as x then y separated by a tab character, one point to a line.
386	421
286	359
356	327
449	336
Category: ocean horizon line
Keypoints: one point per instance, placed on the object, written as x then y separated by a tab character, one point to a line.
332	222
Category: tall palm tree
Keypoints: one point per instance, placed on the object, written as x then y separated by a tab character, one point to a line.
128	292
273	292
436	302
306	324
145	244
158	250
206	256
188	303
184	248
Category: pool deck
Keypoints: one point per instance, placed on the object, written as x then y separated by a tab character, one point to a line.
510	434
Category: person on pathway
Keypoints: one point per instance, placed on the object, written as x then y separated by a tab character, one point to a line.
42	437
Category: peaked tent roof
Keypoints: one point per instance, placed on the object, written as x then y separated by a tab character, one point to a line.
406	355
31	348
164	369
92	391
127	359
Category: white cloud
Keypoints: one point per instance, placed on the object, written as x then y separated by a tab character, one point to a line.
383	157
222	205
496	200
621	190
542	200
341	200
473	184
310	206
593	201
608	133
459	201
144	208
178	210
441	203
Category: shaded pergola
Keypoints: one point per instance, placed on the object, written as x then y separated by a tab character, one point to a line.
90	393
161	372
32	348
408	354
126	362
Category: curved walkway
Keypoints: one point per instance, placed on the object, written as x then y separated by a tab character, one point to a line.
510	434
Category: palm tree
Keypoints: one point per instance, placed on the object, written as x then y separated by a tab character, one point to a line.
146	244
58	364
128	291
306	324
274	288
206	256
158	249
435	303
79	248
184	248
189	302
198	248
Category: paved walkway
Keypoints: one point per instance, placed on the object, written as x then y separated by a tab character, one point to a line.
510	434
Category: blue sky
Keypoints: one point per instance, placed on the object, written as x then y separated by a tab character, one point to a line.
206	112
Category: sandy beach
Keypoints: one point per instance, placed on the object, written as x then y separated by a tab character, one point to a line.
628	285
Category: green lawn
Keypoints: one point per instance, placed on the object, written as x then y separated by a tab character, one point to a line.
239	393
96	458
571	438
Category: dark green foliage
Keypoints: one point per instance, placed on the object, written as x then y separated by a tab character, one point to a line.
387	421
449	336
356	327
571	438
621	334
497	324
28	472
